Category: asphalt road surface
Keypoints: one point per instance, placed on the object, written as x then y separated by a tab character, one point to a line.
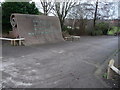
59	65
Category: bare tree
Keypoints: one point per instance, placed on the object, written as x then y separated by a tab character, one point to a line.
46	6
61	9
107	10
104	10
80	14
95	14
119	13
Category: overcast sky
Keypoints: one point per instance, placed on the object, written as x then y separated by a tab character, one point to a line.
70	0
37	2
79	0
93	1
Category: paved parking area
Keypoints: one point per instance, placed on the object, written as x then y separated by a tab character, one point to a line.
60	65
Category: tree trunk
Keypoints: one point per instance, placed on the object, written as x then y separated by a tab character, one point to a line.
95	15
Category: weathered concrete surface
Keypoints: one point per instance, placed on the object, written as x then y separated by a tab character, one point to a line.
65	64
36	29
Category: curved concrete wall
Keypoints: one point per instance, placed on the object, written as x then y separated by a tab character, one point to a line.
36	29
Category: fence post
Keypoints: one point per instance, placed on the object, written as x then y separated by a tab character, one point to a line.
110	72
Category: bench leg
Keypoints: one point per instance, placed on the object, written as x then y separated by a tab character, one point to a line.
20	42
14	43
11	42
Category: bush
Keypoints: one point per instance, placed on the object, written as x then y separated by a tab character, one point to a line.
113	30
104	27
65	34
96	32
71	31
74	32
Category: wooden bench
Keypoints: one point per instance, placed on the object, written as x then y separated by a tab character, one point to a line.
72	38
13	41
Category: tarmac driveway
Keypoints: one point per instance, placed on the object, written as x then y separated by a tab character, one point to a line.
60	65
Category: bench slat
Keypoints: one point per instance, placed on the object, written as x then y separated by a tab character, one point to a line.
12	39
